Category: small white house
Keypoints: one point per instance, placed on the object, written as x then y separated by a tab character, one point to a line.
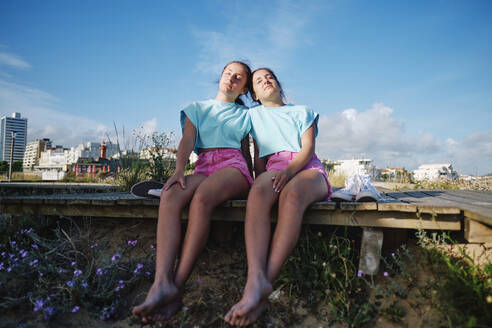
434	172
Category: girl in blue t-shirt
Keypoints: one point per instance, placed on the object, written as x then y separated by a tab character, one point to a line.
287	170
217	130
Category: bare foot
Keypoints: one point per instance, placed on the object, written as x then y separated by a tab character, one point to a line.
158	296
253	315
167	311
257	289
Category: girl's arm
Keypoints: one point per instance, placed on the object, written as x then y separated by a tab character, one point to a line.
247	154
260	162
302	158
185	148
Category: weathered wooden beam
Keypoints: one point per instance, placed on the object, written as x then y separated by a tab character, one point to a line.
148	209
476	232
383	219
355	206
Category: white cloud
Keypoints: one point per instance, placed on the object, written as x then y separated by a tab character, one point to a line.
47	120
263	37
13	61
150	126
377	134
473	154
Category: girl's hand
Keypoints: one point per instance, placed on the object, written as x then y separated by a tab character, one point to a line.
177	177
280	179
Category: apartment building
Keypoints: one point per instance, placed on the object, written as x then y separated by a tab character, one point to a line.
15	127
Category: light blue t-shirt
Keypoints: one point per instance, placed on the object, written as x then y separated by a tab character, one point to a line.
218	124
277	129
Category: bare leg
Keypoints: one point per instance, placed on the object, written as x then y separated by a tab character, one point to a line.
257	234
163	289
225	184
306	187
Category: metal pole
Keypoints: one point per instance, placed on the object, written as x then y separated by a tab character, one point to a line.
11	155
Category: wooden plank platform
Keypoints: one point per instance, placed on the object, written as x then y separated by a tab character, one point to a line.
394	212
425	203
397	211
475	205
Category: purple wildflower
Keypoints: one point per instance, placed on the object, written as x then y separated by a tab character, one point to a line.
138	268
121	285
35	246
199	281
38	305
26	231
23	253
9	269
99	271
76	308
360	273
77	273
385	274
147	273
106	312
3	254
94	245
13	243
393	254
70	283
33	262
1	266
73	263
84	284
48	312
152	247
62	270
132	242
116	257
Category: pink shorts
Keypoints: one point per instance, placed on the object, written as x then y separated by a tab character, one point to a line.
279	161
212	161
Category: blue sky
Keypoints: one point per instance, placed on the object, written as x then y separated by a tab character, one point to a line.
402	82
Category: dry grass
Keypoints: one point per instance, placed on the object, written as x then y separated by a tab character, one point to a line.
336	179
22	176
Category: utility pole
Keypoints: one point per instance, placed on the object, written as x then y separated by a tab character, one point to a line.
11	155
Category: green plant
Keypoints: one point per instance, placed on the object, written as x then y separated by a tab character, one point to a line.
161	166
49	266
463	289
158	162
323	269
139	171
393	312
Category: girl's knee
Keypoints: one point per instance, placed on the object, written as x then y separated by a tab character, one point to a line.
173	196
261	189
203	199
291	197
